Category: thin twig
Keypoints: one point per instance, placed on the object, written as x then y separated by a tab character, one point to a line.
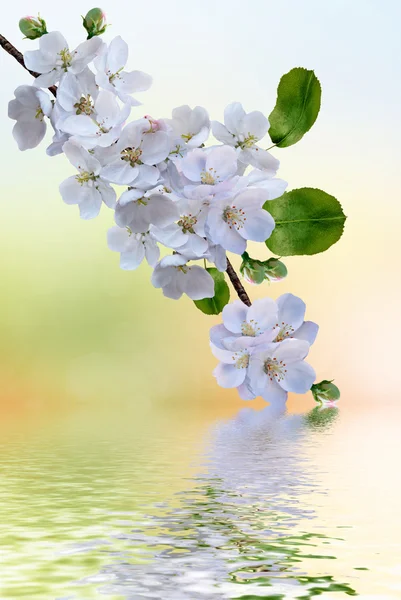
237	285
12	50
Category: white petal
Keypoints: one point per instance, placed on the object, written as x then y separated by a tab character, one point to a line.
258	226
260	159
228	376
47	79
35	61
245	392
291	350
155	147
222	354
84	54
120	172
71	191
90	205
117	239
223	160
107	193
291	310
234	315
131	260
198	283
162	210
29	134
264	312
134	81
152	251
193	164
273	393
79	125
255	124
218	333
299	378
222	134
51	44
308	331
117	54
233	117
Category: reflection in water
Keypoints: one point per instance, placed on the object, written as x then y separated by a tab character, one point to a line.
234	535
93	520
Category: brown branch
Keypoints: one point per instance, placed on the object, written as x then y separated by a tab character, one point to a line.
237	285
8	47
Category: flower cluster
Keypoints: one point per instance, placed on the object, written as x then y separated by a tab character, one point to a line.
168	187
262	348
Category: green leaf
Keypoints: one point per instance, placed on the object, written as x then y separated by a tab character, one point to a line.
214	306
297	107
308	221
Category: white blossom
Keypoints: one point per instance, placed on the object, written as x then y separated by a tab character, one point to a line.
111	75
190	126
54	58
290	320
29	108
176	278
188	232
280	368
138	210
102	126
133	247
233	221
136	153
243	130
87	189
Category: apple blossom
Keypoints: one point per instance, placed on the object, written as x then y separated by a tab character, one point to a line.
290	320
29	108
242	130
191	126
233	221
54	58
139	210
136	153
87	189
133	247
102	126
111	76
176	278
280	368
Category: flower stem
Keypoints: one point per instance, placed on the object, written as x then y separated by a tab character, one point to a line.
8	47
237	285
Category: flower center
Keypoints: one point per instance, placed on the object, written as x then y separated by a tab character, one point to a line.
115	75
234	217
84	105
209	177
132	155
275	369
183	268
285	331
39	114
187	136
66	58
241	359
84	177
187	223
250	329
248	142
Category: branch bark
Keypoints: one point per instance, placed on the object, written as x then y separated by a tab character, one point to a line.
12	50
237	285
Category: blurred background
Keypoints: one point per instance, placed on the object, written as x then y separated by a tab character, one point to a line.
87	349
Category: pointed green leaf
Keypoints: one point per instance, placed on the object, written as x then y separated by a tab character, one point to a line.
214	306
297	107
308	221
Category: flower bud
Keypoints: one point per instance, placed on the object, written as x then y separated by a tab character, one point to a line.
257	271
32	27
275	269
252	270
325	392
94	22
